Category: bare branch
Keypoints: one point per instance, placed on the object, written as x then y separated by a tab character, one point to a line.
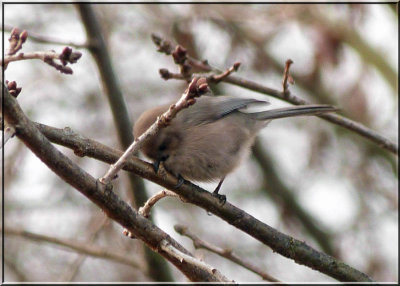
228	254
353	126
281	243
219	77
101	195
166	74
196	88
49	57
48	39
83	248
16	40
287	77
145	210
184	258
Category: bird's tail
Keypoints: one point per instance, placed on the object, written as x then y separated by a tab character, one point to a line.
293	111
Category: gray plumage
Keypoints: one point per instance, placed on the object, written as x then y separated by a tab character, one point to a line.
208	140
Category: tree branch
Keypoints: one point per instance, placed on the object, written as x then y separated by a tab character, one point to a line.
145	210
101	195
228	254
83	248
49	57
282	194
356	127
184	258
48	39
98	48
196	88
281	243
286	76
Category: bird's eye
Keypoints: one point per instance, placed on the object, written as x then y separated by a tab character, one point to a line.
162	147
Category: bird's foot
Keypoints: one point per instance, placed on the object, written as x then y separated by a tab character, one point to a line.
181	180
221	198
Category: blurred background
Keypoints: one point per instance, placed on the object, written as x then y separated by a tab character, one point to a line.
307	177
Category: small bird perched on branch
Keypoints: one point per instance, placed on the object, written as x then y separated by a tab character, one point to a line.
208	140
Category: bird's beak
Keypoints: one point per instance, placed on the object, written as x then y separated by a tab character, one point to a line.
156	165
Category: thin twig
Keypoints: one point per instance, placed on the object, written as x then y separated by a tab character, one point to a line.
145	210
196	88
17	38
286	76
184	258
228	254
353	126
48	39
83	248
66	56
219	77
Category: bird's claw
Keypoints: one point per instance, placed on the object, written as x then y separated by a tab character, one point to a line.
181	180
221	198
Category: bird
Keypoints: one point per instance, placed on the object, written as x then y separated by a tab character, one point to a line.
209	139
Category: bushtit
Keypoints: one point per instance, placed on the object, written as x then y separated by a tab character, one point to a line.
208	140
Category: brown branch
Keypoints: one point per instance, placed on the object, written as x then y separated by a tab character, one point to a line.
101	195
184	258
159	269
281	243
227	253
216	78
196	88
166	74
48	39
49	57
287	77
83	248
16	40
123	123
284	196
145	210
353	126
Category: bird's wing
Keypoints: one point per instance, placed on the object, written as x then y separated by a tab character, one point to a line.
210	108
